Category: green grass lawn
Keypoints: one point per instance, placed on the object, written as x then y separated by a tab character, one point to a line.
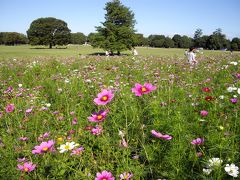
26	51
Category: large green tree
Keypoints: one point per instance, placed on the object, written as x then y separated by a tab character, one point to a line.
217	40
48	31
235	44
117	32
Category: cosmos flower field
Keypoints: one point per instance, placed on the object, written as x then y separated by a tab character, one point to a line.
107	118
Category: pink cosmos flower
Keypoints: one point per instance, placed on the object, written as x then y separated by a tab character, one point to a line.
139	89
126	176
29	110
203	113
238	75
9	89
26	167
77	151
104	97
43	136
44	147
74	121
206	89
10	108
197	141
104	175
98	117
123	143
97	130
23	138
160	135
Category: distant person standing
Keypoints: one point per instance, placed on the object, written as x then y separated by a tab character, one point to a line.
107	53
191	56
135	53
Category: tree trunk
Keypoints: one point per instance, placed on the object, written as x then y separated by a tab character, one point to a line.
50	46
118	53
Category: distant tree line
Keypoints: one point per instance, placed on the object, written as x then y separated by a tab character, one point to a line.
217	40
12	38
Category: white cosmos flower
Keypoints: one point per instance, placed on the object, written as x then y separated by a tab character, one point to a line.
232	170
233	63
20	85
230	89
238	90
66	81
207	171
221	97
214	162
68	146
48	104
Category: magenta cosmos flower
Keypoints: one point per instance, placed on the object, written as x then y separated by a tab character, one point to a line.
234	100
26	167
98	117
160	135
97	130
104	97
10	108
197	141
203	113
139	89
44	147
104	175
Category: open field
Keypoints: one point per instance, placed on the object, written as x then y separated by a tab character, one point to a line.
75	51
183	125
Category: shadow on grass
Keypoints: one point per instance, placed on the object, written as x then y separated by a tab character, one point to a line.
47	48
103	54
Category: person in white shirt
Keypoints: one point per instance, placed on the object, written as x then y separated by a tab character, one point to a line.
135	53
191	56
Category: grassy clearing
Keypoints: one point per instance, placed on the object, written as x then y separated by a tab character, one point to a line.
26	51
53	98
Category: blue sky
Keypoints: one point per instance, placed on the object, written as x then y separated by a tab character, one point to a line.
167	17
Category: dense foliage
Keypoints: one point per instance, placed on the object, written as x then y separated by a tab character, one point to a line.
48	31
184	125
117	32
78	38
12	38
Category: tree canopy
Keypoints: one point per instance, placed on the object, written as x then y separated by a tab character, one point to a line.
48	31
117	32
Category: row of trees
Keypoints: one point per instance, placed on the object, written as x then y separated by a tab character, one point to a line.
217	40
116	34
12	38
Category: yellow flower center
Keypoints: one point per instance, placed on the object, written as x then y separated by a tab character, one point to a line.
67	147
104	98
99	117
143	89
60	139
26	169
45	148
